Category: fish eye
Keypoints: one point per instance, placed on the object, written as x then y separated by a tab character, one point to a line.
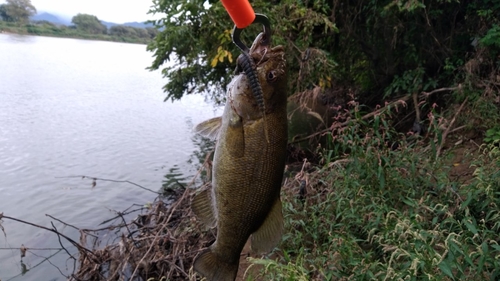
271	76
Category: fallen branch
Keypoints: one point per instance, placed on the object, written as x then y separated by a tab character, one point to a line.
126	212
458	128
36	265
73	242
30	249
60	242
427	94
48	260
447	131
187	191
67	224
110	180
402	100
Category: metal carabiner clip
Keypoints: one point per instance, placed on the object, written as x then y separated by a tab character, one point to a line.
259	18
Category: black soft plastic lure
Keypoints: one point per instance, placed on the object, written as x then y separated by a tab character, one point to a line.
246	63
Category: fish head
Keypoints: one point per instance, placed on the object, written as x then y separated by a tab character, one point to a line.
270	66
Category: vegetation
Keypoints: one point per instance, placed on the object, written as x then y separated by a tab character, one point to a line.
370	211
379	49
17	10
49	29
15	19
89	24
405	182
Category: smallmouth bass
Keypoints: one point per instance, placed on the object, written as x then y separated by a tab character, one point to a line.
247	168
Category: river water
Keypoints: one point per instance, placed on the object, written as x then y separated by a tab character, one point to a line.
72	107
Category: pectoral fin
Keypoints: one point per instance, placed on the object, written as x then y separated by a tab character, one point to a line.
202	207
270	232
209	128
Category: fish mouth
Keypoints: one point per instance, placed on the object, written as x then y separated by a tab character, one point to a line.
261	54
261	47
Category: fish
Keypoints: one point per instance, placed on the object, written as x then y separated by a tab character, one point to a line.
247	169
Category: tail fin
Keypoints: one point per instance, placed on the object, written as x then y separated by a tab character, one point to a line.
211	267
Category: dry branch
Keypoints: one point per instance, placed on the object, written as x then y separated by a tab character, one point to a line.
447	130
402	100
158	243
73	242
109	180
161	241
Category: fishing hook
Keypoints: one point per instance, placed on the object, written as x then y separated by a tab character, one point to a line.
259	18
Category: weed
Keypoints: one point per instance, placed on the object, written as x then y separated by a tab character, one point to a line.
492	135
376	212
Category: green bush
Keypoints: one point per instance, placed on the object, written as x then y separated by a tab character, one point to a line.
377	212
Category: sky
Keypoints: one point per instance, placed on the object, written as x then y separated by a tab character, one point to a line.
117	11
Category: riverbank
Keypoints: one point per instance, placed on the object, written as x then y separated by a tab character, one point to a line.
51	30
373	213
377	213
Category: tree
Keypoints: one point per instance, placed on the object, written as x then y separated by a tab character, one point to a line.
129	31
3	13
122	30
89	24
142	33
383	48
17	10
152	32
196	35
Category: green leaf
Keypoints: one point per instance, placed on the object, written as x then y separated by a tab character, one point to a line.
470	226
485	248
446	269
467	201
434	220
490	132
408	202
381	177
496	247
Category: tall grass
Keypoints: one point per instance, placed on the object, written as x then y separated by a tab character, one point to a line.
379	210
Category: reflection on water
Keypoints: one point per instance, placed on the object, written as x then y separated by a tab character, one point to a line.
174	179
205	149
181	178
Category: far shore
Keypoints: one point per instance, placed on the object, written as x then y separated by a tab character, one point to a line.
69	37
65	32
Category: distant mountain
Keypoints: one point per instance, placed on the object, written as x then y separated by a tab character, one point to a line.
132	24
139	24
50	18
108	24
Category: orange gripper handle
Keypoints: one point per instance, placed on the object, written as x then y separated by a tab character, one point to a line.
240	11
